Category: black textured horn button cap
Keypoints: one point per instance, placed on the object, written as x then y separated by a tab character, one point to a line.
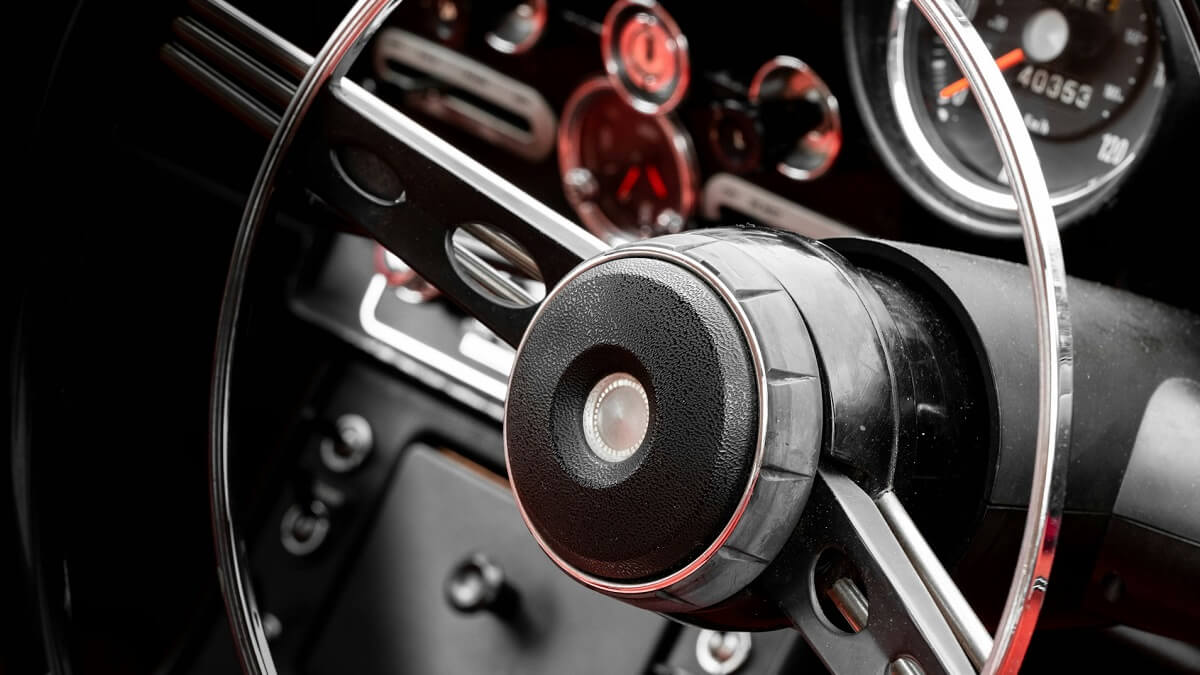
652	513
709	326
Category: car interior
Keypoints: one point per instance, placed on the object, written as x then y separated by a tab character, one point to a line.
639	337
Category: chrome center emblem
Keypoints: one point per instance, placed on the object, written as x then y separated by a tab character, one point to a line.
616	417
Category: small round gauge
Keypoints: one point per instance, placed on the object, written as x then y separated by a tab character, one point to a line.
628	175
645	55
1087	76
800	117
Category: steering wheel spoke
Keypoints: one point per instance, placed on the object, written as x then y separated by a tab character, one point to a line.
411	191
855	596
387	175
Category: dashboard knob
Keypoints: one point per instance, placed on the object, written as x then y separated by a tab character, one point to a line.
350	445
722	653
304	527
476	584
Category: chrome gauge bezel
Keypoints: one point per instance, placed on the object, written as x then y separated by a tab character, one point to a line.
815	89
957	193
569	157
618	15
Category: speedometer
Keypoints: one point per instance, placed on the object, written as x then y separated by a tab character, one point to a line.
1087	75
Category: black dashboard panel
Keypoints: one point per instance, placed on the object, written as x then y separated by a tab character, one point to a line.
723	67
873	186
436	513
510	111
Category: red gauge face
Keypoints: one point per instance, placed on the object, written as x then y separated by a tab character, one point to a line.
649	54
628	175
645	55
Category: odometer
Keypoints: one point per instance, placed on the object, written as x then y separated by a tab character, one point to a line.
1086	74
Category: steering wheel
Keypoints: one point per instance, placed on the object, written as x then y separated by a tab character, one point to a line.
679	370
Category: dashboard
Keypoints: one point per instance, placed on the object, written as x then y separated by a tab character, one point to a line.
789	129
552	116
367	405
638	118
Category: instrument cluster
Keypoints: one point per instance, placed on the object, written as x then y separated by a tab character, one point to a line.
636	118
650	121
639	117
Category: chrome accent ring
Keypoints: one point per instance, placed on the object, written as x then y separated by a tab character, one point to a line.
593	432
612	58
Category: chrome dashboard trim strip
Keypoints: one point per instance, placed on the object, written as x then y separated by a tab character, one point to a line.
472	393
494	389
469	75
767	208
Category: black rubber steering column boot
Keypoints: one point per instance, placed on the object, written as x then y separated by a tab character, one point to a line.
664	419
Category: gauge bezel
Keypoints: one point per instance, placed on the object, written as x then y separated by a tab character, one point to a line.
614	65
569	157
974	205
831	117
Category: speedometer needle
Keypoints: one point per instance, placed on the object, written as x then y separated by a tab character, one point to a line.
1005	61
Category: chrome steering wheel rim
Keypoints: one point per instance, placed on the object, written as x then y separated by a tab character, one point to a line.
1001	653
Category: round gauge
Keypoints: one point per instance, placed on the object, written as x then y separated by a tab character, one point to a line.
627	174
1087	76
800	117
645	55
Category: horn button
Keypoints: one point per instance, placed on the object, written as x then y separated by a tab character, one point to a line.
650	435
